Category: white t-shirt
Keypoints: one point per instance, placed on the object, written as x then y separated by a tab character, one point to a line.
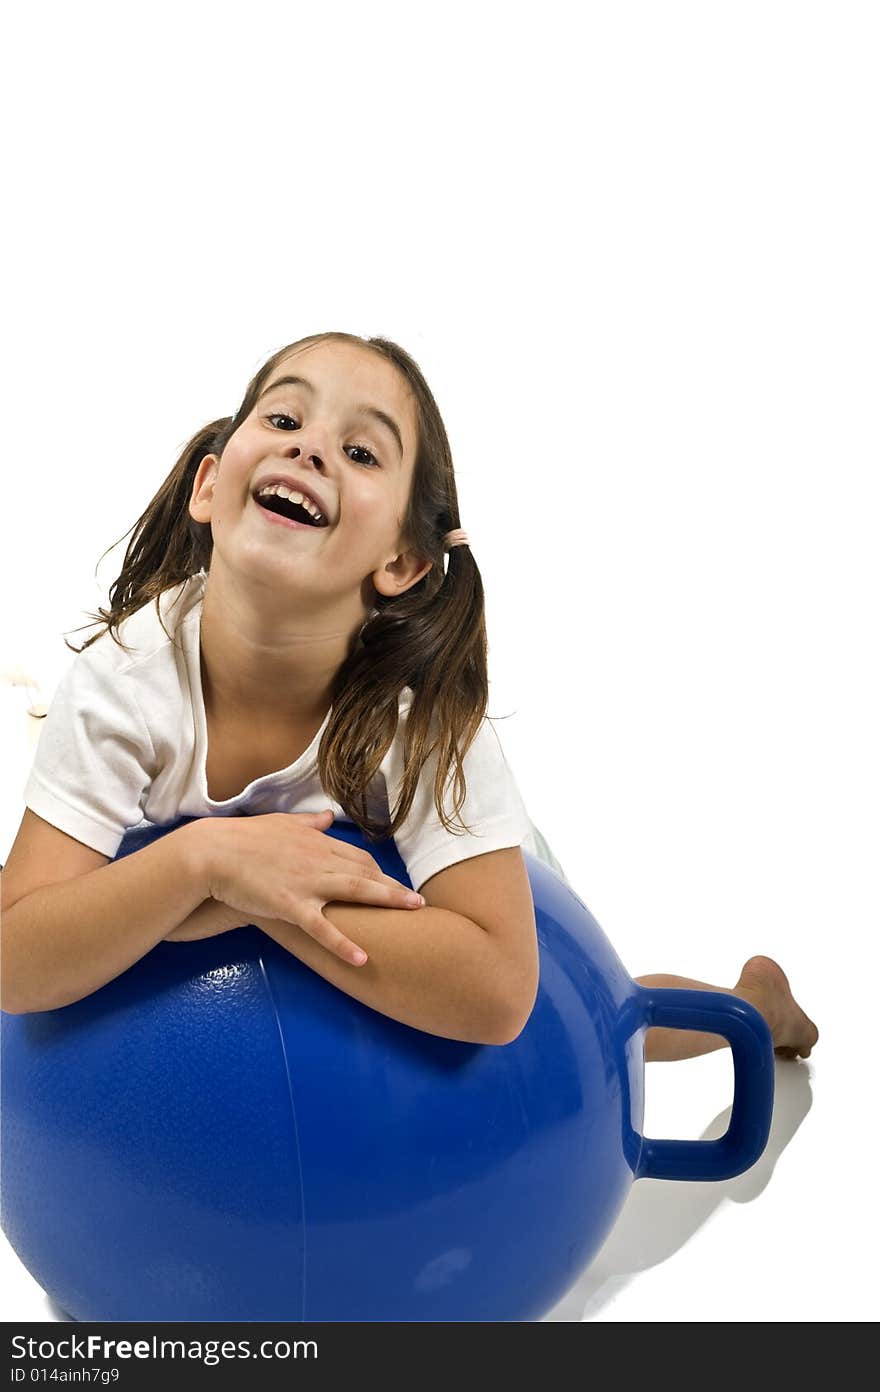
125	740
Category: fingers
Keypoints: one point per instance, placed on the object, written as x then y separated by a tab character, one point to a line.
355	853
323	931
369	867
359	889
356	889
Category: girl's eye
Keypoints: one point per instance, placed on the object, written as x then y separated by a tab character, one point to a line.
282	415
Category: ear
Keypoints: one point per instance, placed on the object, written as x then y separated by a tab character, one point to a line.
401	573
203	489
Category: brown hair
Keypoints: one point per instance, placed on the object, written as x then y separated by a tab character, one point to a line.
431	638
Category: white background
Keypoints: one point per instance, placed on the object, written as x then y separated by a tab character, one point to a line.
633	248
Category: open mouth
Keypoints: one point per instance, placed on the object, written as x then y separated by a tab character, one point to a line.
286	510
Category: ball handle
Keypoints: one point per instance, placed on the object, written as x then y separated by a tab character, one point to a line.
751	1042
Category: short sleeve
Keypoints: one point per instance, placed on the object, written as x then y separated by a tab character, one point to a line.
93	762
492	809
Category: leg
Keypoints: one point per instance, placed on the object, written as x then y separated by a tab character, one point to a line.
764	985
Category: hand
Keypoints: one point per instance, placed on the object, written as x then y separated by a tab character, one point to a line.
281	865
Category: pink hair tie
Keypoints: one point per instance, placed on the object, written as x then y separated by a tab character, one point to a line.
457	537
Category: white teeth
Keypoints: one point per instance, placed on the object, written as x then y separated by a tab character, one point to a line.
284	492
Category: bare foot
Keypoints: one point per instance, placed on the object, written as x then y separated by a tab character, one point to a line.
763	982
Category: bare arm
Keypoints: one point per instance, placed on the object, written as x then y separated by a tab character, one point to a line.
207	921
65	940
432	968
429	968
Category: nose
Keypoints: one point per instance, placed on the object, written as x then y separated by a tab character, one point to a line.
307	460
311	444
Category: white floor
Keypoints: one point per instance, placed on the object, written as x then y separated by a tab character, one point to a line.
791	1240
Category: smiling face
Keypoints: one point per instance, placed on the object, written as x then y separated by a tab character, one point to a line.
347	431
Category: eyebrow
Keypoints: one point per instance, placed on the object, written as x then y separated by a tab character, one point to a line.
381	416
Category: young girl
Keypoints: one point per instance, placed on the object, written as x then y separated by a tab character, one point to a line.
284	646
